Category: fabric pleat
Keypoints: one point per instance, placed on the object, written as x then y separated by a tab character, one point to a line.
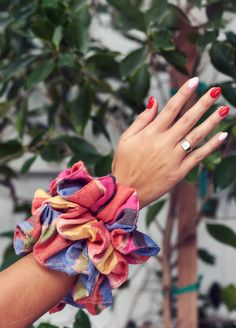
87	227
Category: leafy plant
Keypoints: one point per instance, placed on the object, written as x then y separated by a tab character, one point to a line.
49	49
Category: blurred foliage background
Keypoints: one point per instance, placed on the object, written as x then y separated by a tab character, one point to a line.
48	47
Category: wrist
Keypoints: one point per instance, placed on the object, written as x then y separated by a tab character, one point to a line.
127	183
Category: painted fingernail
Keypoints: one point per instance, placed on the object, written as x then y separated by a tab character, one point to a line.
192	83
222	136
215	92
150	102
224	111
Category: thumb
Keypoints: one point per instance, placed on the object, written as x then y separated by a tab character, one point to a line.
143	119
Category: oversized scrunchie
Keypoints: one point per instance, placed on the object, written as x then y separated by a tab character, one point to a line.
85	226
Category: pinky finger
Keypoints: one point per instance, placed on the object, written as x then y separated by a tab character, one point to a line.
199	154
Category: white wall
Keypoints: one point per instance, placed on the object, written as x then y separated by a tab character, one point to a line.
128	303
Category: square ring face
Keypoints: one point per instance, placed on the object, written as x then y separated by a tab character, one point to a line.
186	145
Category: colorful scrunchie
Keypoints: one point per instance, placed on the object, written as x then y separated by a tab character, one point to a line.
85	226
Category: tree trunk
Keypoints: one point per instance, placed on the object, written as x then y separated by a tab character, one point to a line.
187	314
187	256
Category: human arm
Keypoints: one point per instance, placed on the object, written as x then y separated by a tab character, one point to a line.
149	159
28	290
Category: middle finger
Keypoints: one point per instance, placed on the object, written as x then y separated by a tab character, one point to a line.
192	116
200	132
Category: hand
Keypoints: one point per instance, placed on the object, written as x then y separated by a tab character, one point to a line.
149	156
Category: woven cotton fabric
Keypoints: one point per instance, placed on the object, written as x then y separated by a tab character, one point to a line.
85	226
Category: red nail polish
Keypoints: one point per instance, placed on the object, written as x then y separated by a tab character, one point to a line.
216	92
224	111
151	102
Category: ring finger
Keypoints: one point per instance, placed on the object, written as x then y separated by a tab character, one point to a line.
200	132
192	116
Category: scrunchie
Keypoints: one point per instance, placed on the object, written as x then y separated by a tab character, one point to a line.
85	226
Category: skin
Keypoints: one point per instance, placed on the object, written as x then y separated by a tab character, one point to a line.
160	163
28	290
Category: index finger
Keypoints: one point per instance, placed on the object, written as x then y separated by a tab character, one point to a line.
175	104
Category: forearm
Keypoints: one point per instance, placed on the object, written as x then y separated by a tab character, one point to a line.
28	290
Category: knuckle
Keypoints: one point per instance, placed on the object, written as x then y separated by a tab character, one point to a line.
211	123
212	145
122	136
183	92
204	102
171	105
174	176
187	119
198	157
140	117
195	138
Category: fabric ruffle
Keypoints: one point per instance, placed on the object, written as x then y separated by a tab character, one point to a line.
85	226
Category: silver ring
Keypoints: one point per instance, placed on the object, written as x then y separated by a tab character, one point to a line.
186	145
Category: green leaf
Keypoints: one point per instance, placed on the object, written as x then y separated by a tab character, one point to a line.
40	73
11	148
156	11
46	325
81	109
212	160
78	31
125	284
231	38
229	91
81	320
42	28
57	37
130	16
50	3
118	4
78	145
27	165
52	152
7	171
83	151
20	119
223	58
214	13
9	257
228	295
54	11
99	127
15	67
104	65
172	18
177	59
222	234
193	175
207	37
67	60
162	40
131	62
140	83
103	165
205	256
5	107
224	173
153	211
7	234
210	207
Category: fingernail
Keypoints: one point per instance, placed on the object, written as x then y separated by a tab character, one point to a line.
224	111
215	92
192	83
223	136
150	102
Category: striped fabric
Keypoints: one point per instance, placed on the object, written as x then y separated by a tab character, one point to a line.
85	226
